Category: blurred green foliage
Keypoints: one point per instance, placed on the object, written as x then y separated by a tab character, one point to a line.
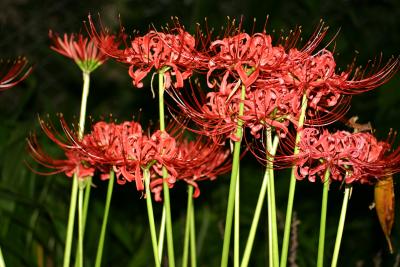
33	208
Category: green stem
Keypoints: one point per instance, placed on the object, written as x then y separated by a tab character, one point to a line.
193	253
292	186
187	226
82	116
257	212
86	201
100	246
2	263
150	213
80	229
71	220
168	220
321	242
85	94
271	192
232	187
82	212
237	223
161	235
161	100
341	225
167	205
270	241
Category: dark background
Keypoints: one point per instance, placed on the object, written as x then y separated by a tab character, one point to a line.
33	209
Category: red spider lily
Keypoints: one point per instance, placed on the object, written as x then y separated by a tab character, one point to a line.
277	95
272	98
106	141
75	162
125	149
128	151
173	54
200	160
109	44
326	90
242	57
122	147
214	115
79	48
274	95
13	72
270	105
356	81
350	157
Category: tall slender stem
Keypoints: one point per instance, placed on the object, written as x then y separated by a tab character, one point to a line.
72	209
80	229
100	247
292	186
85	94
187	226
270	241
150	214
271	192
321	242
257	211
86	202
82	117
2	263
161	235
167	205
232	187
193	251
341	225
236	226
71	220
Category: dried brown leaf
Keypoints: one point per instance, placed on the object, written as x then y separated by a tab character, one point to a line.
384	205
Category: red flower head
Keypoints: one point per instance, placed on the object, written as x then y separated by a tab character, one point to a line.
13	72
173	53
75	162
244	57
107	142
276	78
276	97
328	93
128	151
79	48
121	147
214	115
198	160
250	60
350	157
239	59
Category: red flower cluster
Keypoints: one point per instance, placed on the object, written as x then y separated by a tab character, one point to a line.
173	54
200	160
13	72
128	151
79	48
350	157
270	80
275	79
275	76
